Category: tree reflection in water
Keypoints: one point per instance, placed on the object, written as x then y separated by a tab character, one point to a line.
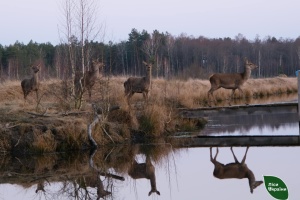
84	175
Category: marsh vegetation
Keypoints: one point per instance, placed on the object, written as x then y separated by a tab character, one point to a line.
52	124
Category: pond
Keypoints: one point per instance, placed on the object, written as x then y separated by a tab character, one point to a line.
180	173
163	170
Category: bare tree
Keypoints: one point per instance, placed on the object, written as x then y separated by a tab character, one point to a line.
88	28
80	22
151	46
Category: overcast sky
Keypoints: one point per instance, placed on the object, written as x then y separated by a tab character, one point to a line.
38	20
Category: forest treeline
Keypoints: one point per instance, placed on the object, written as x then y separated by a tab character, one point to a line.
180	56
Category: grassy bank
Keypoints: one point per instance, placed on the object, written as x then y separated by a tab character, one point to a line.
51	124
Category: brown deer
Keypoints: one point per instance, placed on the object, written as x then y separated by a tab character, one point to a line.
92	75
144	170
40	187
31	84
231	81
139	84
93	181
234	170
89	79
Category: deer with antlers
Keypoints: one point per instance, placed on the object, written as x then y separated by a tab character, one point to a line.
31	84
231	81
139	84
237	169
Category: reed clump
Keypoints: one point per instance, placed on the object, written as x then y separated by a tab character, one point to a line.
43	142
71	135
152	120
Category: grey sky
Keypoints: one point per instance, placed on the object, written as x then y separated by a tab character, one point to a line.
39	19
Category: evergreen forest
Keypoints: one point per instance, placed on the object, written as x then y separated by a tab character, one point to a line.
180	56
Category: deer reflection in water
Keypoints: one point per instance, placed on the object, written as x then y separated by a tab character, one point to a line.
144	170
234	170
92	181
40	187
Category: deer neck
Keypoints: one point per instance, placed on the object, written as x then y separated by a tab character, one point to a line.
153	181
148	74
247	73
95	72
250	177
35	78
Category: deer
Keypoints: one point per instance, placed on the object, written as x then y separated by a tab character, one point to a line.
92	181
144	170
92	75
231	81
237	170
31	84
40	187
139	84
89	79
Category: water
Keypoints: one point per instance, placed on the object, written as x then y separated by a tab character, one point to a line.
265	121
180	173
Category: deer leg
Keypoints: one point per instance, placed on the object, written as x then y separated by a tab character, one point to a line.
129	96
145	96
218	170
25	95
213	160
235	159
231	97
242	93
210	93
244	159
208	100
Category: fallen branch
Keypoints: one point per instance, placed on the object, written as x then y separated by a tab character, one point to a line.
91	163
38	115
89	129
74	113
97	118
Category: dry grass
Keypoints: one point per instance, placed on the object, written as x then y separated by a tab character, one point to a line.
191	93
63	132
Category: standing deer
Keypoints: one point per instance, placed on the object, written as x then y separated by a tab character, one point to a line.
89	79
234	170
144	170
139	84
92	75
31	84
230	81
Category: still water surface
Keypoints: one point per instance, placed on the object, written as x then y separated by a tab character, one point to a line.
182	174
131	172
